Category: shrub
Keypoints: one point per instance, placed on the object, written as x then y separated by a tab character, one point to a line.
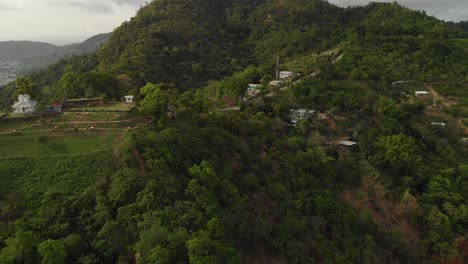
42	139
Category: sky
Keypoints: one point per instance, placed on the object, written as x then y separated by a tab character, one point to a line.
62	21
69	21
449	10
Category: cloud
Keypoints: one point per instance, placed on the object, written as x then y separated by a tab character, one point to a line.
92	6
103	6
454	10
128	2
4	7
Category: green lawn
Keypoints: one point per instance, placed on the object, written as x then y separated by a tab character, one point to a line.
94	116
113	107
27	144
462	43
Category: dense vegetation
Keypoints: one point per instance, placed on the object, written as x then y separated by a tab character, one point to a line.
204	186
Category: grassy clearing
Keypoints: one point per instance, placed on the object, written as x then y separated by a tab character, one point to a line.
112	107
54	136
462	42
73	117
28	143
306	64
94	116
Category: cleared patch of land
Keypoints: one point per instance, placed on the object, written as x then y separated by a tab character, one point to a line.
112	107
66	134
306	64
40	143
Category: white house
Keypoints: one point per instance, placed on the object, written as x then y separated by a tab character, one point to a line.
346	143
286	74
254	89
24	105
128	99
299	114
438	124
421	93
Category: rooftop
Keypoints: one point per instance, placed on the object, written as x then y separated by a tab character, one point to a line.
347	143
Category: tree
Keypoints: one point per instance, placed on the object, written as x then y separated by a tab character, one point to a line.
52	252
69	86
25	85
111	241
156	101
20	249
398	151
206	246
97	83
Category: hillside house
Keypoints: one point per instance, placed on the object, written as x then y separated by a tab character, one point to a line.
422	94
276	83
254	89
286	74
128	99
298	114
346	144
24	105
55	107
438	124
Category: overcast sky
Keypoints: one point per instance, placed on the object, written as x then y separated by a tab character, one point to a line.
453	10
68	21
62	21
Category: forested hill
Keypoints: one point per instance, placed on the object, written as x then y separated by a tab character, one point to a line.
375	175
29	51
19	58
187	43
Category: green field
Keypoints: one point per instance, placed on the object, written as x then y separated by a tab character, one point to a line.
462	43
113	107
27	143
64	134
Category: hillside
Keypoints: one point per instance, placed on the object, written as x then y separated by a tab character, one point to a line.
342	163
25	57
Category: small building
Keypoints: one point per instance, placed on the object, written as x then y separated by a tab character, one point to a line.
254	89
128	99
438	124
276	83
24	105
422	93
55	107
347	144
286	74
299	114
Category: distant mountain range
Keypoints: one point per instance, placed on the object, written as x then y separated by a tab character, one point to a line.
24	57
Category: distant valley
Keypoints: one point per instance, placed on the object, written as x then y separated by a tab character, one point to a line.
19	58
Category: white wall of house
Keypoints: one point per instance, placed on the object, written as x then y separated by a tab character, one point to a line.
286	74
24	105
